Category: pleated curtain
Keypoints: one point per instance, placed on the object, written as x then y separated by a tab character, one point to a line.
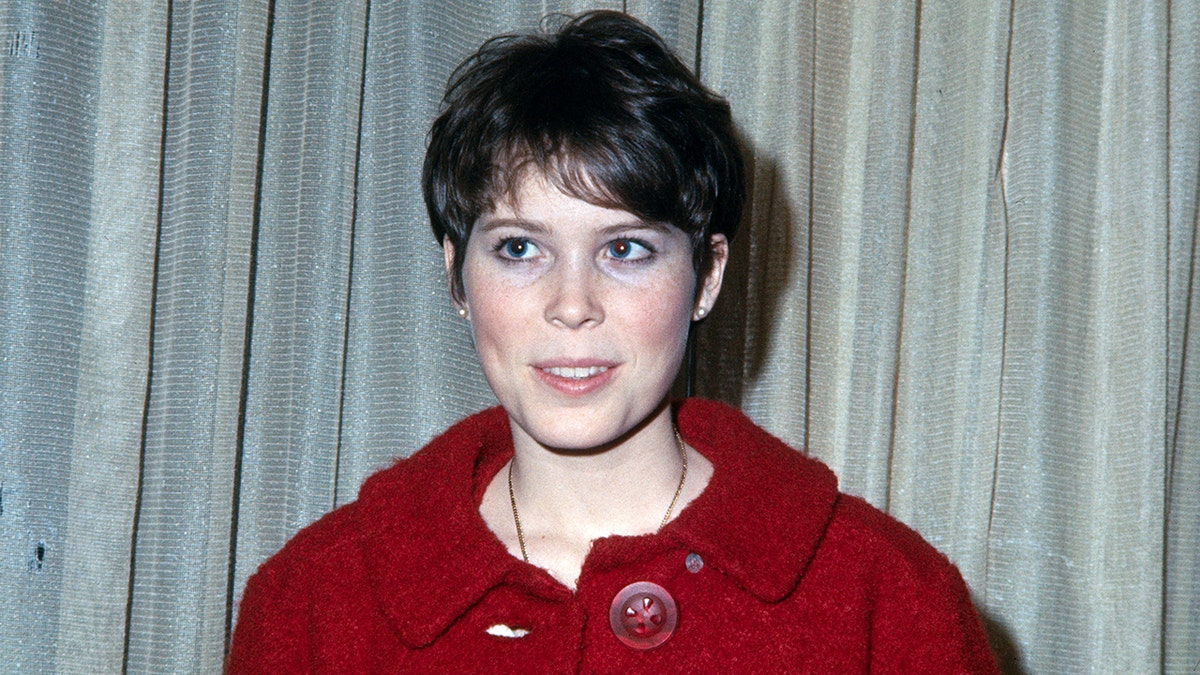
964	280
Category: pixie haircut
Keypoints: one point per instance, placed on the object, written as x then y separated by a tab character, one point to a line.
605	111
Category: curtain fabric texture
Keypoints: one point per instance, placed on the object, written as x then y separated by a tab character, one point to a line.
964	281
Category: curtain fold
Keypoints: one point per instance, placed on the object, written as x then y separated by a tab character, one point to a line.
102	485
1181	615
1078	503
965	280
302	264
952	314
179	590
80	125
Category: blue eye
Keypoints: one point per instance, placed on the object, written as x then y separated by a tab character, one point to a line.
516	248
628	249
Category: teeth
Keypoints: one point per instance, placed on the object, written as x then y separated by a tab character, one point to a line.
575	373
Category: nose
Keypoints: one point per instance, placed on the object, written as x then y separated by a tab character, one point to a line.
574	297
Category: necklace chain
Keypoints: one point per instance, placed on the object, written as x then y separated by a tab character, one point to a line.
512	496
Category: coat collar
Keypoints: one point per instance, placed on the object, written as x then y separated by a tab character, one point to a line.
766	508
430	557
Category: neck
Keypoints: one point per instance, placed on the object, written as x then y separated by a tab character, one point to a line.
568	500
586	495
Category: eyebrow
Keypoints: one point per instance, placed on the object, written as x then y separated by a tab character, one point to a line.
488	225
653	225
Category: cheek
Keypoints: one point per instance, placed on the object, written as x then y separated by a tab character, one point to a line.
665	319
494	314
504	319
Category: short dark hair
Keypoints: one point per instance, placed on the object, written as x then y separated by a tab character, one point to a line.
603	109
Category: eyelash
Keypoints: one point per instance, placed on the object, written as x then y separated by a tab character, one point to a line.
501	249
650	250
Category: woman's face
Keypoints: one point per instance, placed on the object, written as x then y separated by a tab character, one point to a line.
580	313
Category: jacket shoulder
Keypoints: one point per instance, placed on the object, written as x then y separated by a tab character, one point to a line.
922	616
320	561
882	537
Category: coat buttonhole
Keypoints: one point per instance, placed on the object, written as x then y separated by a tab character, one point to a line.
505	631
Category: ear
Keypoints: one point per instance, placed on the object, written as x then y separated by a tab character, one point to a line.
456	295
710	285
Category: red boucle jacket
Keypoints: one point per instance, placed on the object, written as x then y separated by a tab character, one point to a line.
795	577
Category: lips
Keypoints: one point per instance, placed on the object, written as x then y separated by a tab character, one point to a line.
575	378
574	373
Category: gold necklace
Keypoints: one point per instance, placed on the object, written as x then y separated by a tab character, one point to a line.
512	496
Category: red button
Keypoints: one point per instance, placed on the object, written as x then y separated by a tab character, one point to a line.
643	615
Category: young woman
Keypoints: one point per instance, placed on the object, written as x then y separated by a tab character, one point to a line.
585	187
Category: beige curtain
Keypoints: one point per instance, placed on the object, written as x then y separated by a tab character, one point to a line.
965	281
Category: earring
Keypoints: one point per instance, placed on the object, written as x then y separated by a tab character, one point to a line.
462	311
700	312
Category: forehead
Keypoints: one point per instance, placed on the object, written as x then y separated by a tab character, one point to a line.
537	201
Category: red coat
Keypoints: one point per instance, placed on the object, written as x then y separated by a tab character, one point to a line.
788	576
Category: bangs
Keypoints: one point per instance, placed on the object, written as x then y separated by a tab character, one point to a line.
593	173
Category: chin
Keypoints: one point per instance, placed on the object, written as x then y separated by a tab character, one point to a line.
583	429
578	433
